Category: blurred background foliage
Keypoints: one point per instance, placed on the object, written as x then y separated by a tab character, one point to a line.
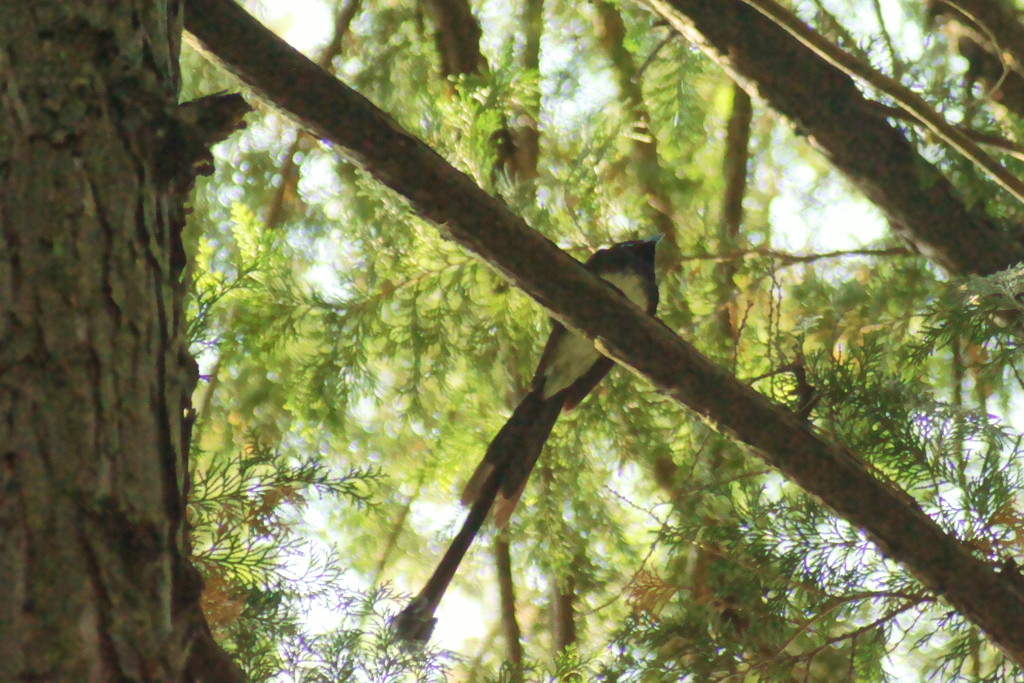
355	365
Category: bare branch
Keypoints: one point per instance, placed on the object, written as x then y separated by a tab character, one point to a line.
457	37
990	37
289	172
734	169
1014	149
563	614
786	258
509	624
525	131
998	21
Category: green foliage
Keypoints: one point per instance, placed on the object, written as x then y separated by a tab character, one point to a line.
361	648
355	365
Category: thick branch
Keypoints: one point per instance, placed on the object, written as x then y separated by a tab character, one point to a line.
482	224
509	624
909	100
611	31
734	169
828	108
457	38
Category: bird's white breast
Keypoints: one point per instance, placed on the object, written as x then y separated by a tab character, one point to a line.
630	284
575	354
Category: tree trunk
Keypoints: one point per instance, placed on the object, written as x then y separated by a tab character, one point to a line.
95	378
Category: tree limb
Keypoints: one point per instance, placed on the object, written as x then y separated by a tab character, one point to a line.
509	624
991	38
611	33
734	169
525	130
826	106
483	225
909	100
563	614
457	37
998	22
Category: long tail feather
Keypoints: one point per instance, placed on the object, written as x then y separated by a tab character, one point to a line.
499	481
515	449
415	623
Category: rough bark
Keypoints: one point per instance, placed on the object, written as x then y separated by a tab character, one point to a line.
95	379
482	224
825	105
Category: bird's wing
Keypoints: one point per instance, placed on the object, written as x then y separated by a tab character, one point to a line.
582	387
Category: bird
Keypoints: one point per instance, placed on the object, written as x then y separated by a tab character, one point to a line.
570	367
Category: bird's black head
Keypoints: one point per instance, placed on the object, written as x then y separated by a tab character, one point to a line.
634	257
645	250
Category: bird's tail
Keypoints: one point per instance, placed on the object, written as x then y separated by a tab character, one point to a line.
514	451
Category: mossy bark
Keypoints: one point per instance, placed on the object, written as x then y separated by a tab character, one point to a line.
95	378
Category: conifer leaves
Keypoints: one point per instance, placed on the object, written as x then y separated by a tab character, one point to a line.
409	358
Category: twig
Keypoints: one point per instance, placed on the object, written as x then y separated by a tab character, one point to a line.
789	259
654	53
893	58
275	212
1014	149
810	654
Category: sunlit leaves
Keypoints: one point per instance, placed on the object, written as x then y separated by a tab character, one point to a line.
355	365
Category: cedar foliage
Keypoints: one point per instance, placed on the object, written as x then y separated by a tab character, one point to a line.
355	366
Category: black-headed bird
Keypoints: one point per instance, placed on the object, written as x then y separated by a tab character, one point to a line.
569	368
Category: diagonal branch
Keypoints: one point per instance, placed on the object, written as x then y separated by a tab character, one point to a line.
922	112
826	106
990	36
483	225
